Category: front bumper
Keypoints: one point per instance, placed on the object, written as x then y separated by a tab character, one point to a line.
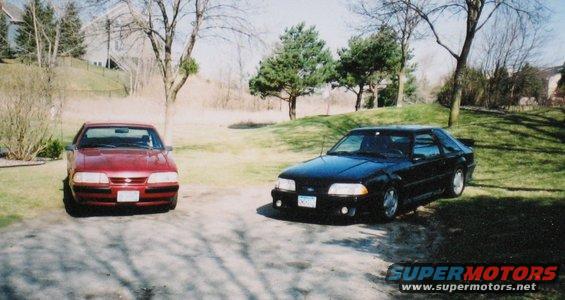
107	195
325	204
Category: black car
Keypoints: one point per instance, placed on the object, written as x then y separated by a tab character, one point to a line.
378	169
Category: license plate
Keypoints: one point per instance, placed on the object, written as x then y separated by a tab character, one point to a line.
128	196
307	201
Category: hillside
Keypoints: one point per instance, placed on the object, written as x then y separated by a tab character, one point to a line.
77	78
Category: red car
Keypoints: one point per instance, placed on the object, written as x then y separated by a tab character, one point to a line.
119	164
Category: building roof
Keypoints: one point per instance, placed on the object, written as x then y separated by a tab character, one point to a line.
13	12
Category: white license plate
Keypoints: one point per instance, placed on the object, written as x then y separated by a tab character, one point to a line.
128	196
307	201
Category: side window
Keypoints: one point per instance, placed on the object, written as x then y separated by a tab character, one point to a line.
448	144
425	147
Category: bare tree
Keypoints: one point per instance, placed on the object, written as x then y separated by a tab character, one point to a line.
177	25
398	16
509	42
476	14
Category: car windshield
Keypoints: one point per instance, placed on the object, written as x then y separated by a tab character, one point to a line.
120	137
373	143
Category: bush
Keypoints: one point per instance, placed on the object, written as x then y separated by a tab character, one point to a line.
497	88
26	112
52	149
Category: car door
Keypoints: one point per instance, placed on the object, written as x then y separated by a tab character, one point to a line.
426	166
451	155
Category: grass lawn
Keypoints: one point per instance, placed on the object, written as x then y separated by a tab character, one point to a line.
512	212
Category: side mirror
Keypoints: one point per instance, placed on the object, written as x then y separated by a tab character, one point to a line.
169	148
70	147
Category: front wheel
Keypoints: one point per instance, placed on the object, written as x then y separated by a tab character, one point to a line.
71	207
389	206
173	204
456	185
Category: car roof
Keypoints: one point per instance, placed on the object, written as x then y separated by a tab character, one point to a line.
406	128
124	124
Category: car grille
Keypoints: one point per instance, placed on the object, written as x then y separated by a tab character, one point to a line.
127	180
312	188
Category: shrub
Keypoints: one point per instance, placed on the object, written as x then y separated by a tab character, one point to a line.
26	111
52	149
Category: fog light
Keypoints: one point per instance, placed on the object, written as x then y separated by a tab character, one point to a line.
278	203
344	210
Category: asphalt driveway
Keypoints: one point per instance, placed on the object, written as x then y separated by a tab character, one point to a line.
217	244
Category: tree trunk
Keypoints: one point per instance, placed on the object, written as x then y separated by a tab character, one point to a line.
400	92
170	100
359	98
292	108
472	20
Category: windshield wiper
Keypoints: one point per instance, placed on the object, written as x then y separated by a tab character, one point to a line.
340	153
97	146
133	145
371	153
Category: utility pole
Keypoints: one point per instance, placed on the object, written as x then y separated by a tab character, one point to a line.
108	27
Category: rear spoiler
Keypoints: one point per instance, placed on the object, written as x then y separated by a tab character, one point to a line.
467	142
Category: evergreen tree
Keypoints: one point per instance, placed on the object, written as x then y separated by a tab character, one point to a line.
25	35
366	61
297	67
5	50
72	38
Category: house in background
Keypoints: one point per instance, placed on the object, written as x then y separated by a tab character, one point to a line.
552	76
14	18
111	43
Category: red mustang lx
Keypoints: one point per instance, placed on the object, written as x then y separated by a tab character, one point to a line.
115	164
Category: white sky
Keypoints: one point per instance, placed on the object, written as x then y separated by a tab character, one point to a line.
335	24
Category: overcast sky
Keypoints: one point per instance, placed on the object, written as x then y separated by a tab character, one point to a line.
335	24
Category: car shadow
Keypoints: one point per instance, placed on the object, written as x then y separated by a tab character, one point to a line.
268	211
87	212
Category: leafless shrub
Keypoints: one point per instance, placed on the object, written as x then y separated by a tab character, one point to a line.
27	108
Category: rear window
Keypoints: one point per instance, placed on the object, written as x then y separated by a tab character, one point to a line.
447	142
120	137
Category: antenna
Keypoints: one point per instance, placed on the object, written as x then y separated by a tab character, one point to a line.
323	142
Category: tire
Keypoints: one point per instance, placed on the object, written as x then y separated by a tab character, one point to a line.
71	207
456	185
389	205
173	204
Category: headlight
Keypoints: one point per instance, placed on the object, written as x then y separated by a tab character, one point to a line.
163	177
88	177
285	185
348	189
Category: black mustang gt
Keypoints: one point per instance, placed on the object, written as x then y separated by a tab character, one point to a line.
377	169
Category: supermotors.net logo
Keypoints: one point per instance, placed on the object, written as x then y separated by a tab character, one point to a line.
471	278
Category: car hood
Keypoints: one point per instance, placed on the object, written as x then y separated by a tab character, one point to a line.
124	160
332	167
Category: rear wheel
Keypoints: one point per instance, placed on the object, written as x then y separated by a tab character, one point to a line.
456	185
389	206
